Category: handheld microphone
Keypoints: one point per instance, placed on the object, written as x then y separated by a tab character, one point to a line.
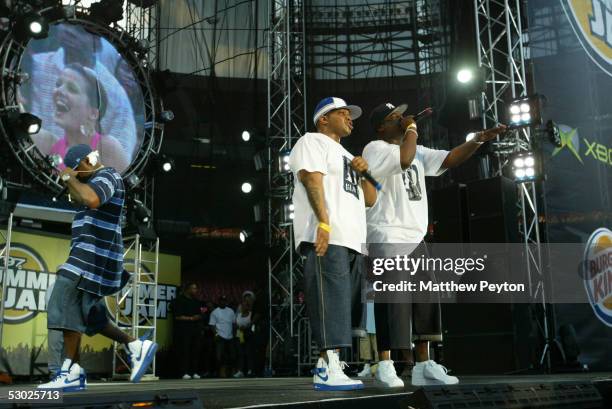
423	114
370	179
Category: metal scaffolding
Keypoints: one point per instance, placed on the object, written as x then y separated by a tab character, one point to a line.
140	320
501	52
142	23
286	123
4	256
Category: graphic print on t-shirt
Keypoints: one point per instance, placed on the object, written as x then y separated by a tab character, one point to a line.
412	184
350	178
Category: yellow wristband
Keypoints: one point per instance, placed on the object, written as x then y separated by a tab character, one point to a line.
325	227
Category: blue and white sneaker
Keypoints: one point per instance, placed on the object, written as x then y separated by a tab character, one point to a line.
70	378
329	375
141	356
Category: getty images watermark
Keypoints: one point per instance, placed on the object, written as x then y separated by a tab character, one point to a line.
476	273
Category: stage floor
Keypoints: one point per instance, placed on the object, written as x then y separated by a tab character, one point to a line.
261	392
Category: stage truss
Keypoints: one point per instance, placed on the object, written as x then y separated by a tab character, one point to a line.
501	52
286	123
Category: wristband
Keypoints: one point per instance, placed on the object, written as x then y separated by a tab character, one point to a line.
325	227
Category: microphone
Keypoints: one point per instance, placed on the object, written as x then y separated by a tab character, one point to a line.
423	114
370	179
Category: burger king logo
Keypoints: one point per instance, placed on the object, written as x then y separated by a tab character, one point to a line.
591	21
27	279
598	274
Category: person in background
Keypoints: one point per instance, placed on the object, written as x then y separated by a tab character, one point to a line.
208	341
187	328
368	350
223	321
244	334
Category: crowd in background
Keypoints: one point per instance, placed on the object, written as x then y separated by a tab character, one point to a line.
218	339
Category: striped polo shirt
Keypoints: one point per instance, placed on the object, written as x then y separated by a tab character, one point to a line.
96	250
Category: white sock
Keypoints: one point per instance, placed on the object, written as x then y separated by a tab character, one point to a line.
67	364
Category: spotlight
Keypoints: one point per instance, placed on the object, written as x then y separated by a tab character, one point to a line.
554	136
25	124
524	112
523	167
283	161
287	212
31	25
166	164
139	214
246	136
244	235
246	187
133	180
166	116
465	75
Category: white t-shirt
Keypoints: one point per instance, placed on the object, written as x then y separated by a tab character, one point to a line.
223	319
316	152
243	321
400	212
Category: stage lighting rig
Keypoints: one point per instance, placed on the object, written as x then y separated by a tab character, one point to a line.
244	235
23	124
283	161
246	187
31	25
288	212
246	136
166	116
524	167
139	214
524	112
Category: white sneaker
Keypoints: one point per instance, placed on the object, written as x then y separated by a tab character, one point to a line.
141	355
366	372
386	375
238	374
431	373
70	378
196	376
186	377
329	375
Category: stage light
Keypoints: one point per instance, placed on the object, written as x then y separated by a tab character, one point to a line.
246	187
246	136
133	180
167	165
166	116
26	123
524	112
524	167
244	235
287	212
470	136
464	75
31	25
139	214
283	161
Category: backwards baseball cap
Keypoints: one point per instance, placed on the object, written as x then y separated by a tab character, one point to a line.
379	113
331	103
76	154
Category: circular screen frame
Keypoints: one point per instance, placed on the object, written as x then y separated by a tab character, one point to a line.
40	166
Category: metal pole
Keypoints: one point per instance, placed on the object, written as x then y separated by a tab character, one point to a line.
7	251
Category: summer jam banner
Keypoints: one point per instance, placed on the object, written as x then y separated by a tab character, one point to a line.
570	42
34	259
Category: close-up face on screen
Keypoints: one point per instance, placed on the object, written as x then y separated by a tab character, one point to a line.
84	92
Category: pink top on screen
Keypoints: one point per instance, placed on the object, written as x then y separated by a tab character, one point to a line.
61	147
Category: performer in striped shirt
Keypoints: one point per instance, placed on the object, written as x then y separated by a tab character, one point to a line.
94	269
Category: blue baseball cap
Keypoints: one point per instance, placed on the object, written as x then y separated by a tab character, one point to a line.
76	154
331	103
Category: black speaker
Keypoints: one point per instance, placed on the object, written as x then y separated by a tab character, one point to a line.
492	210
500	333
449	214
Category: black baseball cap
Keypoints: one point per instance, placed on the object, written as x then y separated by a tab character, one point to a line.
378	114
